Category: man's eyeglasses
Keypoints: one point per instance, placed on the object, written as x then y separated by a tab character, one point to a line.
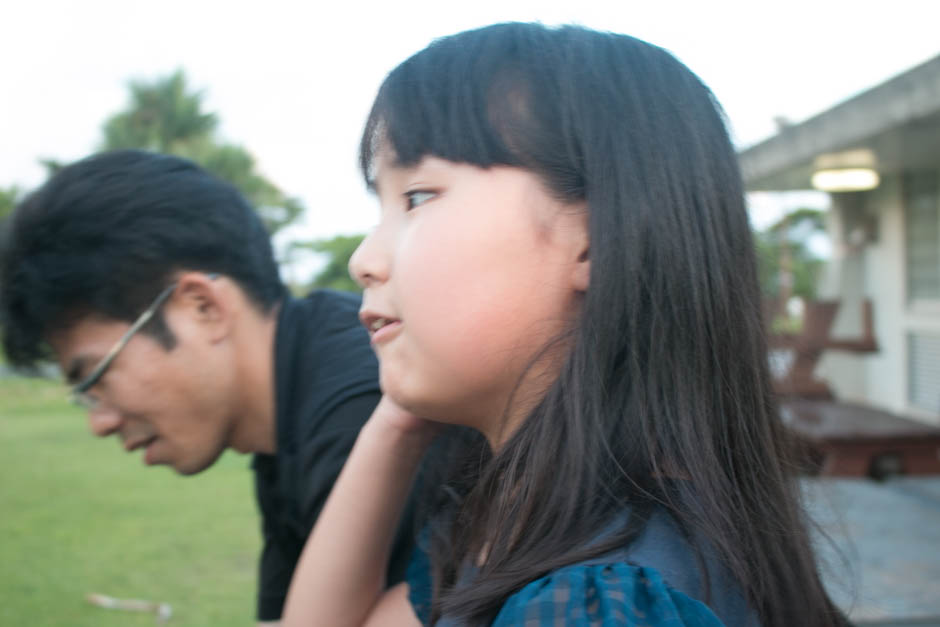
80	395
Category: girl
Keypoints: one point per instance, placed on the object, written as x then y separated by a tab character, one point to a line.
564	265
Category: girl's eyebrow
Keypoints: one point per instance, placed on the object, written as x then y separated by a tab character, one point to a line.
391	169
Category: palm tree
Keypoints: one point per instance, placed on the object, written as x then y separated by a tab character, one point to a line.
166	116
162	116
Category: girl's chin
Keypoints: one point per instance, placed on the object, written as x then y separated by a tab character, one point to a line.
417	400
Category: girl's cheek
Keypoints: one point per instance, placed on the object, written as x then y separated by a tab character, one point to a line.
429	267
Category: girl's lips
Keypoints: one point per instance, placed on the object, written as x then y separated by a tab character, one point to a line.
386	332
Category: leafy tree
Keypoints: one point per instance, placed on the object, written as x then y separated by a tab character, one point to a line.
9	196
338	250
52	166
166	116
782	250
163	116
800	223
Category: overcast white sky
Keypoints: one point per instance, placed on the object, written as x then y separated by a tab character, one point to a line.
293	81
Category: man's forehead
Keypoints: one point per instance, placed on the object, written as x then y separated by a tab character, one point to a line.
88	337
84	329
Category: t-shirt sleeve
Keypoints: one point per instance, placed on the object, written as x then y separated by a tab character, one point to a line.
278	555
321	460
326	449
274	574
604	594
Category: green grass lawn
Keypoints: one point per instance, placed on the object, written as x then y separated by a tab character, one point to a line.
78	515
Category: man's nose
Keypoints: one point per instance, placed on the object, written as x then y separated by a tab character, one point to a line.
104	421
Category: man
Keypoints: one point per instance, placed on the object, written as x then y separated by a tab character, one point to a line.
154	286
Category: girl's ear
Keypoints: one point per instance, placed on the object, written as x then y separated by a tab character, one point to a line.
581	250
582	270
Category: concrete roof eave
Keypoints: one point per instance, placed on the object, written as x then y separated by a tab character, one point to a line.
898	121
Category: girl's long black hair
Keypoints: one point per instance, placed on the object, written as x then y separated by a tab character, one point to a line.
664	399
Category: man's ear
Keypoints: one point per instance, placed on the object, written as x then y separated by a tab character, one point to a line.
206	302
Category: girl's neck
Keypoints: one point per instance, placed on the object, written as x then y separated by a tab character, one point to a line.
531	390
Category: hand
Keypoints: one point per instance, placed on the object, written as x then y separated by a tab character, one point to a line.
391	415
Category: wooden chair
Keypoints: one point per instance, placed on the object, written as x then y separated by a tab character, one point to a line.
808	345
836	438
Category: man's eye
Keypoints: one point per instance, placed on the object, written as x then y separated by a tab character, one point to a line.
418	197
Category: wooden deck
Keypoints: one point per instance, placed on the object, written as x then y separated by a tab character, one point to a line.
848	440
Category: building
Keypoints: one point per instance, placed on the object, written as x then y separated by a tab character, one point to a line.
879	156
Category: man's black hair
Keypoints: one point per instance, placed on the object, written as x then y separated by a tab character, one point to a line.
104	235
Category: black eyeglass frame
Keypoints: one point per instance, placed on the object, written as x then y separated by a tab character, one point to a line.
79	394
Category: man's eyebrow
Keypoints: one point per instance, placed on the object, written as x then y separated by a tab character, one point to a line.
74	371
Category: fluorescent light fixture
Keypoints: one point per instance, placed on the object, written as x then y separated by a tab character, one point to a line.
846	180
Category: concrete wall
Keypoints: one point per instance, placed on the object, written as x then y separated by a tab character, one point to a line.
843	279
875	270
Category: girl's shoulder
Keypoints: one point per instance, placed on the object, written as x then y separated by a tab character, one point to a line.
597	593
659	580
590	593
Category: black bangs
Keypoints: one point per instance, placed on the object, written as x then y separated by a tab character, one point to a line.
464	99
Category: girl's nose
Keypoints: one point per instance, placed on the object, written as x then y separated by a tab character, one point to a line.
368	265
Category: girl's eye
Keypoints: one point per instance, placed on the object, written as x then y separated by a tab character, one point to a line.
418	197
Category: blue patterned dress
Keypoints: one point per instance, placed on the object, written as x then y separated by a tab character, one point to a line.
655	582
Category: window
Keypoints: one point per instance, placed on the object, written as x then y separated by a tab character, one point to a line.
923	352
922	234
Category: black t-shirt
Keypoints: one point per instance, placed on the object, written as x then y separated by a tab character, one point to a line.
326	386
